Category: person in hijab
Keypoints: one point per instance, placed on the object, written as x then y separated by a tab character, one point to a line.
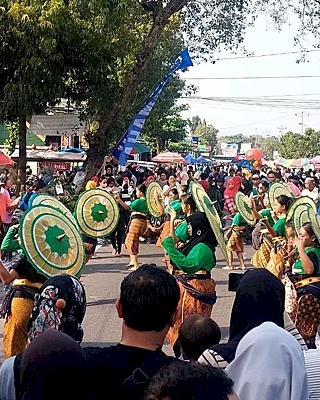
269	365
60	305
192	267
260	297
48	366
233	186
312	361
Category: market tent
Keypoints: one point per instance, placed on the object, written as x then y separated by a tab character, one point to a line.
315	160
190	159
140	148
202	160
5	161
169	157
292	163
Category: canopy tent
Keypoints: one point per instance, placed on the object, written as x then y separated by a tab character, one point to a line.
292	163
41	155
169	157
140	148
190	159
315	160
202	160
5	161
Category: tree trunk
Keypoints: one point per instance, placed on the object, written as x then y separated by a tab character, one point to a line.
95	158
108	132
22	162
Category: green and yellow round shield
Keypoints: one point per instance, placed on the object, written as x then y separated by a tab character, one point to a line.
243	209
47	200
52	243
154	199
97	213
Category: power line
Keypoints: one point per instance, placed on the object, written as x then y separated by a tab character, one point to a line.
252	77
263	102
267	55
251	123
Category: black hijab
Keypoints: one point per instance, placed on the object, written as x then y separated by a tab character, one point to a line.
260	298
201	232
53	367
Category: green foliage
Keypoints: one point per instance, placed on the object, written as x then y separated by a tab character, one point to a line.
207	133
291	145
180	147
13	137
297	145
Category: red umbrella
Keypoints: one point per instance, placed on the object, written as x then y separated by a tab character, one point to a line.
169	157
5	161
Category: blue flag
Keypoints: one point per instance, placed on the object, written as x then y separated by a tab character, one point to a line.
128	140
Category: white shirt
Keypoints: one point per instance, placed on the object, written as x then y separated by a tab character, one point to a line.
314	195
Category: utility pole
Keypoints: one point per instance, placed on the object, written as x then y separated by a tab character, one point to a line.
281	128
302	115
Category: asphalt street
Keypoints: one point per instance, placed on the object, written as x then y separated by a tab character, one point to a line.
102	278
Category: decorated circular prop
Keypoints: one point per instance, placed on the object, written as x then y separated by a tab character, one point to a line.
153	193
303	200
52	244
315	222
201	198
204	204
276	190
97	213
46	200
301	216
243	209
215	224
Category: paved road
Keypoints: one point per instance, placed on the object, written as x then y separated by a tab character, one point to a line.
102	278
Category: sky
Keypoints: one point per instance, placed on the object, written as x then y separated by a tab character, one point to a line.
231	118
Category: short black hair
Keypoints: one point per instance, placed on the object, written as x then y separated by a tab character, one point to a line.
265	184
189	381
174	191
203	176
38	185
149	297
196	334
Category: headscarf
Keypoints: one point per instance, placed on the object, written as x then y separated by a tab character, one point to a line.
260	297
231	191
46	315
53	367
201	232
269	365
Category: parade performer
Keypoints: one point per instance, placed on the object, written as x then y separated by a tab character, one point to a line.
137	225
193	264
235	241
282	204
17	305
304	296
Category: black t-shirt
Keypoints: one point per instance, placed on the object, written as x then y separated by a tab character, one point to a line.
110	366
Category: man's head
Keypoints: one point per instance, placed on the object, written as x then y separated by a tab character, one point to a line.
148	299
255	180
271	176
190	381
309	184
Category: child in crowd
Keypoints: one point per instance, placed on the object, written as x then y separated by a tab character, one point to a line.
196	334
